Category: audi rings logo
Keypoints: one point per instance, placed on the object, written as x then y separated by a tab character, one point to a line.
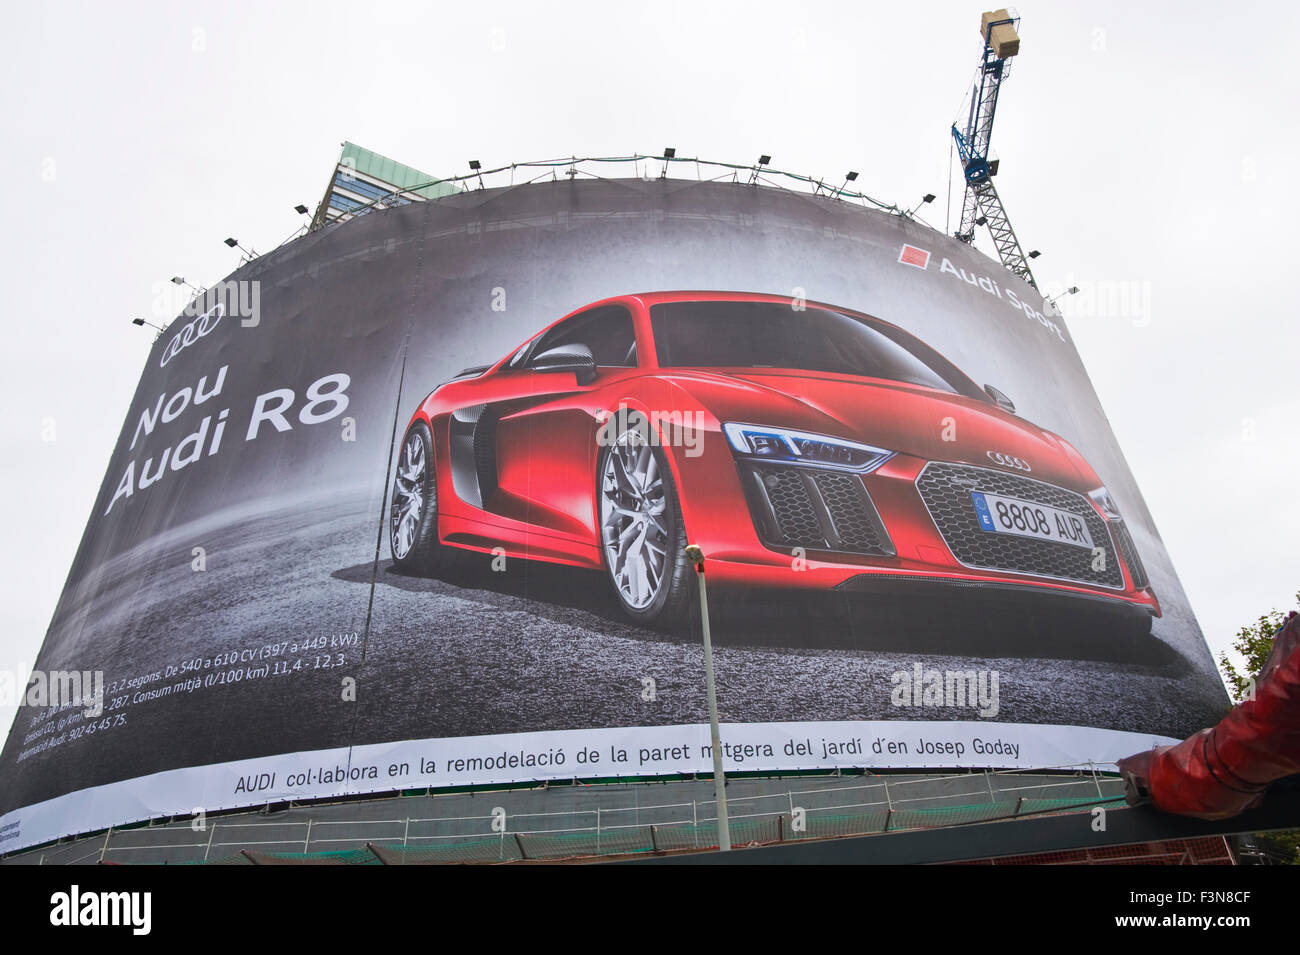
1007	461
192	332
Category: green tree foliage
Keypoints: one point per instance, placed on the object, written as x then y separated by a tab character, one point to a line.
1279	848
1254	643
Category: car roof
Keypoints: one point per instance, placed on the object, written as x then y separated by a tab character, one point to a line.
707	295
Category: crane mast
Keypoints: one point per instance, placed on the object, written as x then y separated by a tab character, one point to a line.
981	204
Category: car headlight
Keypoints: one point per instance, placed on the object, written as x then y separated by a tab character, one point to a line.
783	444
1101	497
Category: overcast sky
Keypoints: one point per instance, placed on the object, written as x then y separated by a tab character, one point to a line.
1150	149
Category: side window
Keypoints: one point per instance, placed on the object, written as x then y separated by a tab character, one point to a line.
607	331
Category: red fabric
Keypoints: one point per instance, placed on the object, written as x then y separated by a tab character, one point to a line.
1222	771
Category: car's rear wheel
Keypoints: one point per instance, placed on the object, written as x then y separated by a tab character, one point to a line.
413	513
643	539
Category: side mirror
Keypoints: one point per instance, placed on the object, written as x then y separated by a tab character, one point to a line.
576	358
1002	401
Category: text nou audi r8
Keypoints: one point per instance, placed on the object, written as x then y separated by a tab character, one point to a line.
800	445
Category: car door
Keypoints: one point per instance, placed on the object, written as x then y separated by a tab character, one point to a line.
547	449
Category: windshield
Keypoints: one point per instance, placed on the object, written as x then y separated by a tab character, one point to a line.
774	335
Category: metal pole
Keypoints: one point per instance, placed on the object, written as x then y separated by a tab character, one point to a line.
696	556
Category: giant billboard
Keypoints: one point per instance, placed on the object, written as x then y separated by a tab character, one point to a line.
404	504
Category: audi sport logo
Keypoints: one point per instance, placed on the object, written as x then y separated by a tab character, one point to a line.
192	332
1007	461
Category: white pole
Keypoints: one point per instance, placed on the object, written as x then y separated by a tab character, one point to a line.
696	556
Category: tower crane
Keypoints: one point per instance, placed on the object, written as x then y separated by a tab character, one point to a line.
981	204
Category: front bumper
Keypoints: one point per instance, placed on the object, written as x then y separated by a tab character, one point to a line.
909	523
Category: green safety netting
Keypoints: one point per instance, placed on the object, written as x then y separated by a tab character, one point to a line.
634	840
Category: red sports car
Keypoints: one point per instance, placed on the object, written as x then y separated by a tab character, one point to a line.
799	444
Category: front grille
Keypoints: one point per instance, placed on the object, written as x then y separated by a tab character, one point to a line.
1131	558
946	489
815	509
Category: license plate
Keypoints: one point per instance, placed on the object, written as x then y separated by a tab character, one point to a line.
1010	515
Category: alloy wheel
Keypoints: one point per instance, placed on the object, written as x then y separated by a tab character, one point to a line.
408	495
634	526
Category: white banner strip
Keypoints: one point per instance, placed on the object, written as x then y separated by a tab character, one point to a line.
569	754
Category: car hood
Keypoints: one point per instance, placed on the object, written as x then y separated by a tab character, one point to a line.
911	419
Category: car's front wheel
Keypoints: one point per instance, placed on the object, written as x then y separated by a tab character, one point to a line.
413	513
643	539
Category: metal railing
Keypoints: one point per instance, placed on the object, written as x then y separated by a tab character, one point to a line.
655	167
516	827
